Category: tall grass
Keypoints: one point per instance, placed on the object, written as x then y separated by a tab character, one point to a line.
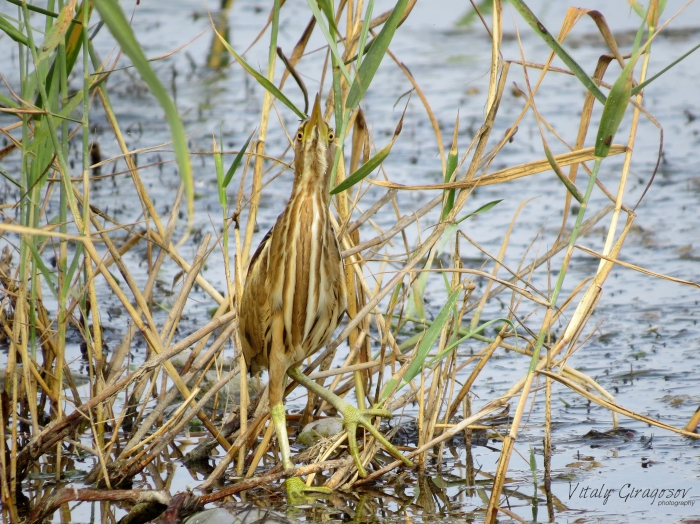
44	414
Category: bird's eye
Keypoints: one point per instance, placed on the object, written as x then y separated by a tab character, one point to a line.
331	135
300	135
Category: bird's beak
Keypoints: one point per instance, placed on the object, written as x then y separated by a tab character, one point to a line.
316	122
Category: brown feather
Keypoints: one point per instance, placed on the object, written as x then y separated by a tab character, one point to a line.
294	295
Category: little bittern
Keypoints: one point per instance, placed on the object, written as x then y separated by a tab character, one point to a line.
295	293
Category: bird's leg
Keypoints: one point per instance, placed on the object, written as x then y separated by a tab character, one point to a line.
352	417
294	485
279	419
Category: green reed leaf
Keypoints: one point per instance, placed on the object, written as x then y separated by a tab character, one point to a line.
58	31
369	166
617	102
426	344
313	4
564	179
470	334
50	278
363	33
114	19
482	209
237	161
219	169
364	170
555	46
649	80
374	56
267	85
450	167
11	31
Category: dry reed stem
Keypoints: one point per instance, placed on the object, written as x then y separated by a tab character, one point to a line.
149	209
614	407
510	173
199	369
139	462
272	477
148	327
636	268
425	247
64	495
573	330
260	450
122	350
54	432
254	428
490	407
259	150
497	265
585	228
359	327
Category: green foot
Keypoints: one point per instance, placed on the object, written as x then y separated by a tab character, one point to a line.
354	417
296	490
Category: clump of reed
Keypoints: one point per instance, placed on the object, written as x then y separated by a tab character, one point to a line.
44	416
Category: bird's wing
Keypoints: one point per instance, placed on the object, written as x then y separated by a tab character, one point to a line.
255	309
263	245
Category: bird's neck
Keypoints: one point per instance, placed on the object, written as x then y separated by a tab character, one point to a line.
312	172
310	188
312	179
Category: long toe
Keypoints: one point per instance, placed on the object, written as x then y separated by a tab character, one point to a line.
298	491
353	418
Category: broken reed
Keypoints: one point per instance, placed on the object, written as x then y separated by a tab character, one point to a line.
380	367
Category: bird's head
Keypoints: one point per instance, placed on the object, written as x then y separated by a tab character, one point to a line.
314	146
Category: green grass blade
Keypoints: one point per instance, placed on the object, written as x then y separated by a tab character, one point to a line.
73	41
75	263
431	335
40	10
649	80
219	169
114	19
470	334
267	85
236	162
364	32
9	178
327	7
533	466
7	101
12	31
450	167
49	277
614	110
364	170
641	11
58	31
555	46
374	56
414	305
564	179
451	229
363	52
482	209
313	4
369	166
617	102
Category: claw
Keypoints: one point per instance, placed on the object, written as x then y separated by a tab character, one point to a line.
352	417
296	490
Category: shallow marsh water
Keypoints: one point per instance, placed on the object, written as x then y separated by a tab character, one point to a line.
646	346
